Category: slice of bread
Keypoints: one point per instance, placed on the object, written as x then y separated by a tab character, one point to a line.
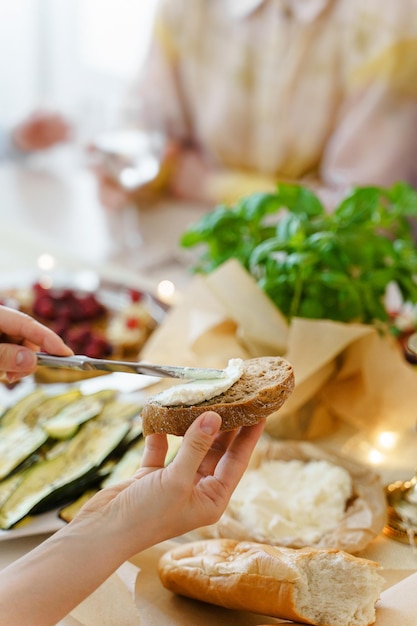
310	585
264	386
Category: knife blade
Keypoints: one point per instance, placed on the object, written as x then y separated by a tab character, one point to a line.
88	364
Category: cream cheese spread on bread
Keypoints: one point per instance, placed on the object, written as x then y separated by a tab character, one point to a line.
197	391
292	498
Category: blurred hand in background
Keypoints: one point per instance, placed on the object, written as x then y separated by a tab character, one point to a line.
40	131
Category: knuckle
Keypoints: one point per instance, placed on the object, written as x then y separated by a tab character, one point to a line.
199	444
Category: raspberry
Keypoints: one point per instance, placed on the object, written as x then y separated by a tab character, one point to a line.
97	347
44	307
91	307
60	328
39	289
80	334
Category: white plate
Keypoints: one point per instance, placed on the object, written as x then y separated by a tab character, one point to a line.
130	386
111	294
36	525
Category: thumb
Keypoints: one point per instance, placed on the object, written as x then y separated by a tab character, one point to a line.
197	442
14	358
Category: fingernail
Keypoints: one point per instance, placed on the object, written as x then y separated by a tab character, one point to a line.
210	424
24	359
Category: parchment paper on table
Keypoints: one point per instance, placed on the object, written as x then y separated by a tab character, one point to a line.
342	370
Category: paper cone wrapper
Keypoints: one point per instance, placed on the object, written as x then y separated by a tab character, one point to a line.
342	371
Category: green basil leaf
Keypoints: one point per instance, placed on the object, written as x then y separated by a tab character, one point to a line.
255	207
299	199
358	207
404	198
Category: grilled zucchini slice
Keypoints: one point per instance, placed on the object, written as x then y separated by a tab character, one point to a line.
18	412
65	423
17	443
51	480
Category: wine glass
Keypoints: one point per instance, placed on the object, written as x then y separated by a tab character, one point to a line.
132	157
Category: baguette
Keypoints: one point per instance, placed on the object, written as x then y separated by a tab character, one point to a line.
310	585
264	386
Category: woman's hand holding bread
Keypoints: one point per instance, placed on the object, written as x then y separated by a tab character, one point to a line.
157	503
191	491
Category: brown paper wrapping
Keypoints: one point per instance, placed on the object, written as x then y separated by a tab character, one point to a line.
343	371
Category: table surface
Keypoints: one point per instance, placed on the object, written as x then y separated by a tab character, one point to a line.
50	206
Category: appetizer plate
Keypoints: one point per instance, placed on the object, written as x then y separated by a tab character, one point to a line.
95	316
16	290
130	388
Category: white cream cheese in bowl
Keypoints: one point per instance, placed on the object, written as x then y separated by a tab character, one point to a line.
197	391
283	499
